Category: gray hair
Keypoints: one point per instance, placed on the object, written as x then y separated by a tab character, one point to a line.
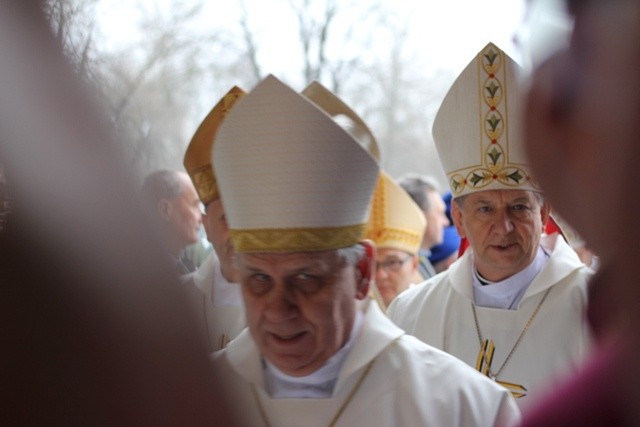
161	184
352	254
417	186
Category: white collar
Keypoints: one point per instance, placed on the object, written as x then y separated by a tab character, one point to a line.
507	293
318	384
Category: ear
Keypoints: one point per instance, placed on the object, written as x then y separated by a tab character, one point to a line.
365	269
545	211
165	209
415	261
456	216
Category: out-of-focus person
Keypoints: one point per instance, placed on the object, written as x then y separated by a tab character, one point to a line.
513	304
582	127
317	351
173	203
444	254
216	295
424	191
94	329
396	225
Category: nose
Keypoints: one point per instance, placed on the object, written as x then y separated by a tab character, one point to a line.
503	222
281	306
381	273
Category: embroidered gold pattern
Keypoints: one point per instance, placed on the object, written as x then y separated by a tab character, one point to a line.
205	183
487	349
377	230
494	127
198	156
297	239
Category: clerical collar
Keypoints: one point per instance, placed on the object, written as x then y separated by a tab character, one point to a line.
317	385
507	293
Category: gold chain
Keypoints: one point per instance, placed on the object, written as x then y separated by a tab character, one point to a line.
515	346
333	421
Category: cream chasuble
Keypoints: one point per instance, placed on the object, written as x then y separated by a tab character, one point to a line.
440	313
387	379
216	304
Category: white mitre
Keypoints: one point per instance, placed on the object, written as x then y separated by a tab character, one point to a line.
477	130
290	178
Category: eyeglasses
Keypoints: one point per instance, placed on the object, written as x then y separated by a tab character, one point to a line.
392	264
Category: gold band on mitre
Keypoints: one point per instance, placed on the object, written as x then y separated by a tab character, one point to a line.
477	128
296	239
197	158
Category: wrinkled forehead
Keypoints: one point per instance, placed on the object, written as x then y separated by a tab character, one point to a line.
500	196
318	261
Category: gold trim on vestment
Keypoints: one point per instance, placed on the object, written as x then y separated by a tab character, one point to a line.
297	239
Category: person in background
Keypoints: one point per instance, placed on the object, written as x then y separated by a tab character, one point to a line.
317	351
445	253
513	304
582	122
173	203
424	192
396	225
216	293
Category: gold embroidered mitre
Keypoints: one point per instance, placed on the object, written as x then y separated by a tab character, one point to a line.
197	158
343	115
395	221
291	179
477	129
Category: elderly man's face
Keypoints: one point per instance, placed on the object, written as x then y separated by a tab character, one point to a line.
503	228
301	306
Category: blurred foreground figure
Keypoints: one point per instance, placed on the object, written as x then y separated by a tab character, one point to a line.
94	330
583	126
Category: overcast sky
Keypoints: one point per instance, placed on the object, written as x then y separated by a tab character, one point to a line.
443	32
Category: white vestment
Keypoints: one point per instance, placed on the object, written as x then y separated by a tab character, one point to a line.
408	383
216	304
439	313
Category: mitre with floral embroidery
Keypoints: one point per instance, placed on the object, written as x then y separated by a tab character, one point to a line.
477	130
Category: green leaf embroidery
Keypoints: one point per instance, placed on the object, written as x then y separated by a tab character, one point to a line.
494	155
475	179
493	122
492	89
491	57
515	176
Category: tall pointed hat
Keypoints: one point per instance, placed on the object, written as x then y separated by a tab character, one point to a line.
477	129
291	179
